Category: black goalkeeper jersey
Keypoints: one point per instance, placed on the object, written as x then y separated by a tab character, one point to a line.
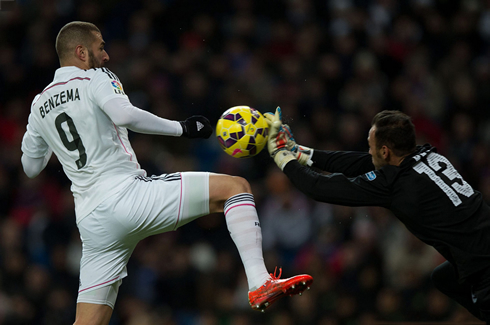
425	192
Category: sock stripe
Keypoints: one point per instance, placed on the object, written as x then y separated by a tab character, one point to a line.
244	197
240	197
239	205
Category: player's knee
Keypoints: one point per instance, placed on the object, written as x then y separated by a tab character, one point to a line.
240	185
223	187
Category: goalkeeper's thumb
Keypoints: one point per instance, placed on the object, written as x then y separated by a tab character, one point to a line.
282	157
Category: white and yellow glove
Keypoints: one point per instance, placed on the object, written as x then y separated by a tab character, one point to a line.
277	140
302	153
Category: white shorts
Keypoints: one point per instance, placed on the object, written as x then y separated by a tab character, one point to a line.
102	295
148	206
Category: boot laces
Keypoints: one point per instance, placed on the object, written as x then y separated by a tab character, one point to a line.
274	277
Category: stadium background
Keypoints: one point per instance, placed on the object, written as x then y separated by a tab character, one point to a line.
331	65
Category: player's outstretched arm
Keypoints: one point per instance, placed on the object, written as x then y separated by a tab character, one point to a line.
123	113
33	166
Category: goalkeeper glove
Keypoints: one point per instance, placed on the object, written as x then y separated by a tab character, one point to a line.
196	126
302	153
277	140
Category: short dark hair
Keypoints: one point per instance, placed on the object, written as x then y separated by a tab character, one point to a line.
395	130
73	34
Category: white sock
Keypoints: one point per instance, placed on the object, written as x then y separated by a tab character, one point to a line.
244	227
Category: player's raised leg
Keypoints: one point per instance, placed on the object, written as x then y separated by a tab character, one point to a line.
233	196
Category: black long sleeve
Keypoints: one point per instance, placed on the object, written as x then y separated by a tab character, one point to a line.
365	190
349	163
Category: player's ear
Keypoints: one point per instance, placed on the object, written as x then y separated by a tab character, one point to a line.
385	152
81	53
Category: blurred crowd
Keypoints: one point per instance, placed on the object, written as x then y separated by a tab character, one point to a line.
331	65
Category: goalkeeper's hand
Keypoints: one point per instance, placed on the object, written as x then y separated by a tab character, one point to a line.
302	153
277	140
196	126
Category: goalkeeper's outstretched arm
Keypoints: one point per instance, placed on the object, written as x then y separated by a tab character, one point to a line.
349	163
281	138
338	188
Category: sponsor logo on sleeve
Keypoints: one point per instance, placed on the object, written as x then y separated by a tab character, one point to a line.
371	176
117	87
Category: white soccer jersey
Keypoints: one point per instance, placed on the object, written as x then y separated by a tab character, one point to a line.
95	153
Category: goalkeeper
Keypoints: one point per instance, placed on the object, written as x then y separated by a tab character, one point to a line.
420	187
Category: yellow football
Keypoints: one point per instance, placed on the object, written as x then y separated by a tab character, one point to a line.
242	131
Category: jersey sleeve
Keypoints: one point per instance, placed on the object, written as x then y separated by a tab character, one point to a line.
105	86
370	189
349	163
33	145
124	114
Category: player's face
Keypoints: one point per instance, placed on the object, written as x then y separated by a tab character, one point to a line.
97	55
378	160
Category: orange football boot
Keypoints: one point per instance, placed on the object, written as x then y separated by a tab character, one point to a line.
275	288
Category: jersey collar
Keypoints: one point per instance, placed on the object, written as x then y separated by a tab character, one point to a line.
425	149
60	73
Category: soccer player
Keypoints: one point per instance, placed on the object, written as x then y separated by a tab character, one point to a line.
420	187
83	117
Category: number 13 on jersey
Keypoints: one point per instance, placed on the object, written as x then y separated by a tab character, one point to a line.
456	185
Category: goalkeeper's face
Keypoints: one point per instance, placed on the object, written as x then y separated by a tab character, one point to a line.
376	154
